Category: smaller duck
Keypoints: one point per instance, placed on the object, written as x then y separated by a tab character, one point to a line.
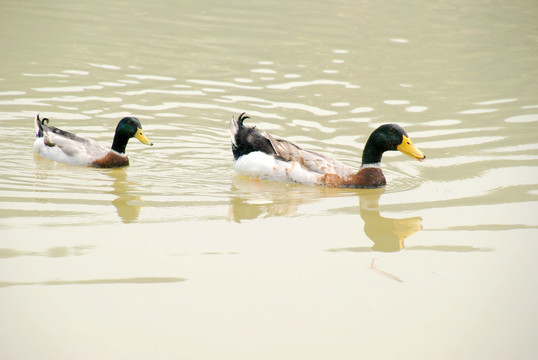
261	156
66	147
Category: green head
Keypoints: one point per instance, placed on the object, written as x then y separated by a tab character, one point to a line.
386	138
127	128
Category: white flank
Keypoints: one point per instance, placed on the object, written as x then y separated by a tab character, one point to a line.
69	151
56	153
260	165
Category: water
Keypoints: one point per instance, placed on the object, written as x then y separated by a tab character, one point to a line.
177	257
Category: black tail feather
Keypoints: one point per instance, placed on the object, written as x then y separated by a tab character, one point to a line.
242	118
248	139
42	126
39	126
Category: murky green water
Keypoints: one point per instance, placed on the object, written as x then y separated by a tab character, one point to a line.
176	257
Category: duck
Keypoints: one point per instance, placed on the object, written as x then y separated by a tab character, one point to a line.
63	146
261	156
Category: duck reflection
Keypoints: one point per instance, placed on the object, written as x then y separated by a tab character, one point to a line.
388	234
126	203
263	199
266	199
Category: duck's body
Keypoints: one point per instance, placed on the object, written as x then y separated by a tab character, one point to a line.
66	147
262	156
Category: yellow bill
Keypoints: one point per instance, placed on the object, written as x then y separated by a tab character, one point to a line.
408	148
143	139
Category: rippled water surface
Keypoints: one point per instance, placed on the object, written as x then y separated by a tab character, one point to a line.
176	257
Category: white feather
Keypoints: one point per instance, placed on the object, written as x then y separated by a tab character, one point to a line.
69	151
263	166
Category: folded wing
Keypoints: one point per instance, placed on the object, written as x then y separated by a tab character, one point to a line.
311	160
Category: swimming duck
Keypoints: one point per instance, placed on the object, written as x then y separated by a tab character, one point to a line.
63	146
262	156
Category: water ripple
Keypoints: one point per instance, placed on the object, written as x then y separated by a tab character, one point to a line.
447	122
12	93
77	99
522	118
440	144
79	88
151	77
362	109
493	102
296	84
105	66
223	84
416	109
277	104
476	111
46	75
158	91
397	102
263	71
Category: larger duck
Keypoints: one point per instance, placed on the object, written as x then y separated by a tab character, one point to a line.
262	156
66	147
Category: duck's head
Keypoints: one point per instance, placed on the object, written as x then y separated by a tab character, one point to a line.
131	127
127	128
389	137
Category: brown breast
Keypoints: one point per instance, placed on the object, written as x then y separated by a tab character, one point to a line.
369	177
111	160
